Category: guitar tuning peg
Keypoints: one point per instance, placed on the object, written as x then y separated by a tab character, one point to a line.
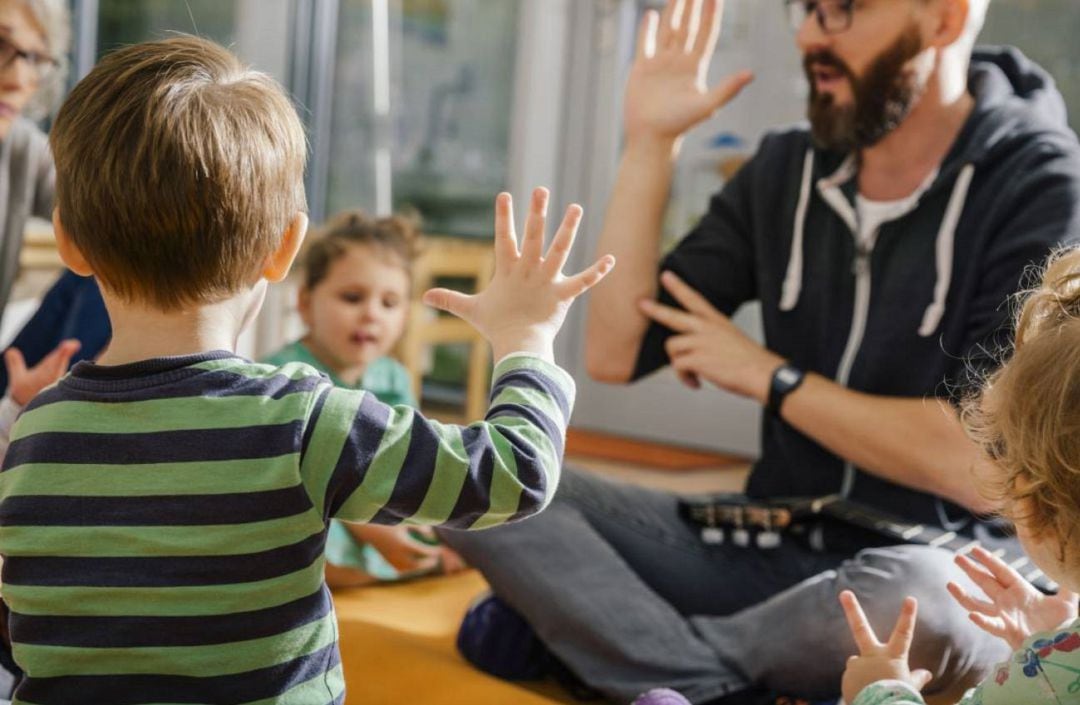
768	540
712	535
740	537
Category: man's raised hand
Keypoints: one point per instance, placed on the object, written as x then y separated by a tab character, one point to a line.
526	302
667	92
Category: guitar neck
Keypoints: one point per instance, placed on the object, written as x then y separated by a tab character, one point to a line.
905	532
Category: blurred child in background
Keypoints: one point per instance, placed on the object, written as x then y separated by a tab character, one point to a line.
354	300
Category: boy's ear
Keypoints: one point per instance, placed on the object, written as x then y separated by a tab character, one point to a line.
280	260
70	254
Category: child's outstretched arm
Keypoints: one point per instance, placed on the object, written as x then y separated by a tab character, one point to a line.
394	465
25	383
1014	609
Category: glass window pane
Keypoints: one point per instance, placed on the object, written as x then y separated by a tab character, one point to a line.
1045	30
445	137
123	22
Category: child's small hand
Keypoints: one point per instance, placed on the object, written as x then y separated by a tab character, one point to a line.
526	302
402	549
1015	609
877	661
24	384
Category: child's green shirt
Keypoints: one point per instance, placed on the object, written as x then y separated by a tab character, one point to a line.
1044	671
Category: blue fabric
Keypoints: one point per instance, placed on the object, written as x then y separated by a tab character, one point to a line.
498	640
72	308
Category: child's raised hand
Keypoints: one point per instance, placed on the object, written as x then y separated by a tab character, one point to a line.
24	384
1015	609
526	302
877	661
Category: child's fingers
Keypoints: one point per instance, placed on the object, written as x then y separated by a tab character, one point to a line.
461	305
904	632
532	244
970	603
452	562
506	248
563	241
864	635
994	626
921	678
1001	570
979	575
580	283
16	364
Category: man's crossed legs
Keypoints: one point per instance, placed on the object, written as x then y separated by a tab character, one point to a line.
626	594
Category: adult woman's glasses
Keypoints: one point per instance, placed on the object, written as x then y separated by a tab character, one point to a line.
41	65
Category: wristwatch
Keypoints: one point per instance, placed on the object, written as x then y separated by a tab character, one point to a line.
785	380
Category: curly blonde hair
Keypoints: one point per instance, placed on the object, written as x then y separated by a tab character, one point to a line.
1027	417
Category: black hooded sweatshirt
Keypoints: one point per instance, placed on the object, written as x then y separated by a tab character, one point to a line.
917	309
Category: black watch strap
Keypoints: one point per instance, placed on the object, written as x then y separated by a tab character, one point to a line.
785	380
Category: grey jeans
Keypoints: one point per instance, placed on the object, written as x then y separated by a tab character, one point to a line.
625	593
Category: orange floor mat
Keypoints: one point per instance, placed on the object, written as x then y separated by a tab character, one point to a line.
397	648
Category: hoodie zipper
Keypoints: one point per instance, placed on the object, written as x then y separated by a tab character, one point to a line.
861	270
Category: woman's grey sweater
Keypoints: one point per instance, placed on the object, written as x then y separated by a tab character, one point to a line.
27	186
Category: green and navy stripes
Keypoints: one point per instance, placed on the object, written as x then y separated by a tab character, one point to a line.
163	523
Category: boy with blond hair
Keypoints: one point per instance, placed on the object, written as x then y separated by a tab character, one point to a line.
164	511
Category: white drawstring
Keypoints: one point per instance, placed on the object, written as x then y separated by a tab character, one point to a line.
944	251
789	295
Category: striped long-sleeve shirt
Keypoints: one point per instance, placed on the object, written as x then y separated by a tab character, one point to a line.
162	523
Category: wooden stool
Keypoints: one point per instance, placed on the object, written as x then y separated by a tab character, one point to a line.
449	257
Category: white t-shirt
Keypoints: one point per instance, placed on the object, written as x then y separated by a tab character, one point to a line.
872	214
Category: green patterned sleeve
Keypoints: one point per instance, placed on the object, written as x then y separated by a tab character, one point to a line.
389	464
889	693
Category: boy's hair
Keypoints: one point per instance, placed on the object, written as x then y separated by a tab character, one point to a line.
178	171
1027	418
396	236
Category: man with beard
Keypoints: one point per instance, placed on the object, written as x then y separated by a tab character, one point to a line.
884	245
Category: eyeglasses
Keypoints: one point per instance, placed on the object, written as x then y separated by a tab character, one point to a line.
42	66
833	16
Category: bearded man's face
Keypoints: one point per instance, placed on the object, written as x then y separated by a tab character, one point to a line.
851	110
